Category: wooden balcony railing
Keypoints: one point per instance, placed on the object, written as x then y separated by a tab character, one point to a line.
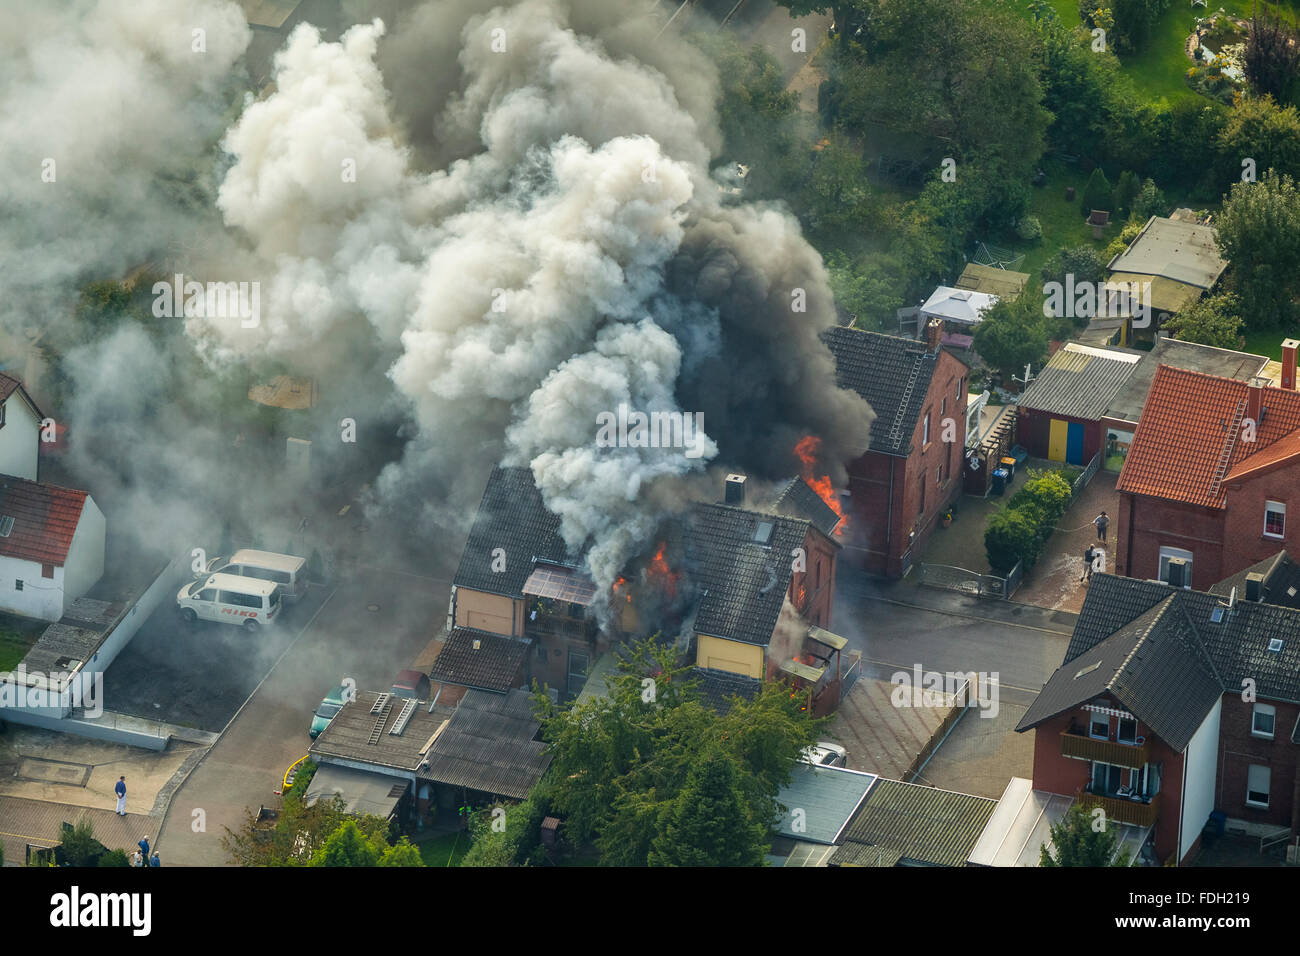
1133	756
1123	810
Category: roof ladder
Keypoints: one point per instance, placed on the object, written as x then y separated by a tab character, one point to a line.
1225	457
896	430
380	703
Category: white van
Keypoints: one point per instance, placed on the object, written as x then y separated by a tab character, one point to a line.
285	570
230	599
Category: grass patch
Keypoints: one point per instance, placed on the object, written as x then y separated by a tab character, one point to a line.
445	850
17	635
1268	342
1062	222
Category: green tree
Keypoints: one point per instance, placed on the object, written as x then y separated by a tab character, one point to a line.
710	822
1262	133
346	846
870	289
112	858
1013	333
402	853
1150	202
1127	188
1085	263
508	834
1258	233
1097	192
1082	838
1271	60
836	196
1213	320
80	848
1011	536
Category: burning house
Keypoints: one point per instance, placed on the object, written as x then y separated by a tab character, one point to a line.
747	595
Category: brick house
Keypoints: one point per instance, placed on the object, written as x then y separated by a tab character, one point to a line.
1206	484
1146	717
912	469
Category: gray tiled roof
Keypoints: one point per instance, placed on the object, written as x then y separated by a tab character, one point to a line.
1163	655
741	582
717	687
922	824
1079	383
512	517
878	367
797	498
494	666
349	733
1281	581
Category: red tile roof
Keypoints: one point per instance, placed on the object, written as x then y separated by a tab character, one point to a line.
9	385
45	519
1187	424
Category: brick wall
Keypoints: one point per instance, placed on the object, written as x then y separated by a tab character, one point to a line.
817	601
1244	540
1144	525
1238	749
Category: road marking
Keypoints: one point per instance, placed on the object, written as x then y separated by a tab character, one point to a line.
972	617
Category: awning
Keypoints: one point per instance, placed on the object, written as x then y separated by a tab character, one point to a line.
362	791
560	584
803	671
823	636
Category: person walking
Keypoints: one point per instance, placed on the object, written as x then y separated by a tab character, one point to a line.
1087	564
1102	522
120	789
144	850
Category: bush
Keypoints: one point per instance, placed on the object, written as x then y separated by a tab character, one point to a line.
1011	536
1030	229
1150	202
1097	193
114	858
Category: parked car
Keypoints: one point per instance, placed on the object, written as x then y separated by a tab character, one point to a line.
327	710
825	754
411	684
229	599
286	570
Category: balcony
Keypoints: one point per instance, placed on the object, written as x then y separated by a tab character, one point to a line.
1122	809
1080	745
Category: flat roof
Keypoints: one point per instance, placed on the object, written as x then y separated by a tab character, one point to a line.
363	791
270	14
351	735
827	796
1178	250
1126	405
992	280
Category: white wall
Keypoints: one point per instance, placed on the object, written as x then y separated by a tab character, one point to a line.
40	597
1200	769
20	438
85	562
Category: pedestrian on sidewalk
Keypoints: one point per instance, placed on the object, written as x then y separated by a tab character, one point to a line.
120	789
1102	522
1087	564
135	858
153	860
144	849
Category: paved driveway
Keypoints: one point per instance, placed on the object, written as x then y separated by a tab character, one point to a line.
369	628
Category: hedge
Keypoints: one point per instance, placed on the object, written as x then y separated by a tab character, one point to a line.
1018	532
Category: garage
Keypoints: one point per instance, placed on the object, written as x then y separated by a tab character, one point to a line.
1061	410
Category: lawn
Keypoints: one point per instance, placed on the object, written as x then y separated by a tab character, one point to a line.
17	636
1268	342
1062	222
445	850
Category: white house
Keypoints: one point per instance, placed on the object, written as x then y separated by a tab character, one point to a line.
20	430
51	547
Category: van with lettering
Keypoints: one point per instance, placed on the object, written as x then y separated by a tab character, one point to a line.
285	570
230	599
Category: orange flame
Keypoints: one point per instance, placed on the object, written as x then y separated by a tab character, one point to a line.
659	571
618	589
806	450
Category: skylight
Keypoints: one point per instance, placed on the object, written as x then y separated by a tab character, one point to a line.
1275	644
1217	615
763	533
1087	670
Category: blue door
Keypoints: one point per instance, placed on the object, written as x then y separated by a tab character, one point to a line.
1074	444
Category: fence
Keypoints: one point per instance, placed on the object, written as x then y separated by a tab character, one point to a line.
1082	481
963	699
851	675
972	582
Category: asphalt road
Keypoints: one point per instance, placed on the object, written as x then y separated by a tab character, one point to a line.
370	627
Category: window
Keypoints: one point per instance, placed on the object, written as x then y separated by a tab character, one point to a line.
6	525
1166	554
921	508
2	415
961	388
209	595
541	654
938	475
1128	730
18	584
1257	783
943	408
1274	519
47	570
1262	721
1106	778
925	428
240	600
1099	726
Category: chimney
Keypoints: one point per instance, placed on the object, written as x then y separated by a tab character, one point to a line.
1289	347
1255	398
734	491
1254	586
933	334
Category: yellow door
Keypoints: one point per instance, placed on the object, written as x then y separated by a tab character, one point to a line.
1056	439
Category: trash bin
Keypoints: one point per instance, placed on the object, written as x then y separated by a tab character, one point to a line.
1000	477
1218	821
1010	465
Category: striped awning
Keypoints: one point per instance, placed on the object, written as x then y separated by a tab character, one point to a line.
1109	711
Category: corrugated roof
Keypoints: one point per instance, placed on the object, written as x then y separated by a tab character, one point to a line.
45	519
1182	251
488	746
878	367
1188	422
1079	381
923	824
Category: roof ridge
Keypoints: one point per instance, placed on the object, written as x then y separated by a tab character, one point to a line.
1198	646
1162	607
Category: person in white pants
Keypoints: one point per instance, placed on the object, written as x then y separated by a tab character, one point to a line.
120	790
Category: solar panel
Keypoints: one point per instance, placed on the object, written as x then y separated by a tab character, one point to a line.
560	584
